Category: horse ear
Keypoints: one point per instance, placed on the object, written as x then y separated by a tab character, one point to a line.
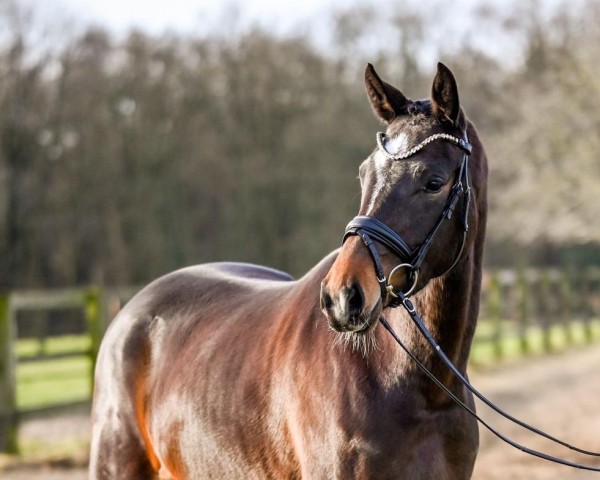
387	101
444	96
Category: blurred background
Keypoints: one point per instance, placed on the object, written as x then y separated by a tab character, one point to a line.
140	137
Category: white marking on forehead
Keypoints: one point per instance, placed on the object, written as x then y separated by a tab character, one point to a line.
381	161
398	144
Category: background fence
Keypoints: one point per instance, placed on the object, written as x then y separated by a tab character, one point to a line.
523	313
536	311
95	306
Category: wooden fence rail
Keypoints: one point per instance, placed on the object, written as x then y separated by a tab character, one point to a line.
551	303
513	303
95	305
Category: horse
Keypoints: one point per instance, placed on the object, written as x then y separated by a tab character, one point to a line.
237	371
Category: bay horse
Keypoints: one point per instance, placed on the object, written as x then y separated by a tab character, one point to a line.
236	371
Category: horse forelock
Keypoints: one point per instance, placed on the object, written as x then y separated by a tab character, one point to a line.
419	107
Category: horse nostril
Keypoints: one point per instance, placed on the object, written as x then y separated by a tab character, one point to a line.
355	299
344	305
326	300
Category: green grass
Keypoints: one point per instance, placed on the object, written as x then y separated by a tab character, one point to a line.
53	381
30	347
485	353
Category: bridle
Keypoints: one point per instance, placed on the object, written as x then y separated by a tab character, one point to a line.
368	228
371	230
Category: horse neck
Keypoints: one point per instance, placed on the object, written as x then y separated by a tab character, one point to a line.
449	306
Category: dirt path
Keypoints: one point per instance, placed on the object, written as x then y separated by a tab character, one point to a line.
64	438
559	394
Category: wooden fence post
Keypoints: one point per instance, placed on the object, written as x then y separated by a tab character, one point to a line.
587	288
95	324
523	311
546	310
495	312
8	398
567	306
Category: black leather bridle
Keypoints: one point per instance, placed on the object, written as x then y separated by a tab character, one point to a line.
371	230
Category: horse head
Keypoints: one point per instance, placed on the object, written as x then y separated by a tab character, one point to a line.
413	223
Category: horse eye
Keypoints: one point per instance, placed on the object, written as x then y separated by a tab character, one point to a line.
434	186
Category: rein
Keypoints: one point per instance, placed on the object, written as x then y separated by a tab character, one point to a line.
418	321
371	230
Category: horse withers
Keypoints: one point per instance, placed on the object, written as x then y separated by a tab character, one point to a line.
234	371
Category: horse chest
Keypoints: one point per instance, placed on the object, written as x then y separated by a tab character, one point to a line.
388	440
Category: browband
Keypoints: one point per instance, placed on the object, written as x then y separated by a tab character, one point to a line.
462	143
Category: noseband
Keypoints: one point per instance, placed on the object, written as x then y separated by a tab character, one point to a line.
369	229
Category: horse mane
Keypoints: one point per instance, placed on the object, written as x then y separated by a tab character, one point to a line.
420	112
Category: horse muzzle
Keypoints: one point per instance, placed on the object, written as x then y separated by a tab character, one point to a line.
345	309
350	294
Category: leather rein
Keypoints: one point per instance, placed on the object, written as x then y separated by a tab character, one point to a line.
373	231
